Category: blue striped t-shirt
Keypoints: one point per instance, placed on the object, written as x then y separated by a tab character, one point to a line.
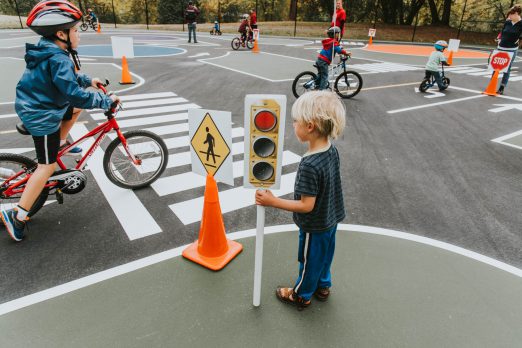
319	176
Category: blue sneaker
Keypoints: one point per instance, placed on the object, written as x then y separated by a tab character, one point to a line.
75	151
14	226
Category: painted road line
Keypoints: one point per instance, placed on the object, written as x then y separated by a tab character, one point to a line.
515	78
148	111
390	86
503	139
181	159
189	211
153	102
17	150
480	92
144	121
146	96
505	107
169	129
127	268
187	181
200	55
130	212
435	104
467	71
8	115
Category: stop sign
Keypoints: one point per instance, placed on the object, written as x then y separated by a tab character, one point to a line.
500	60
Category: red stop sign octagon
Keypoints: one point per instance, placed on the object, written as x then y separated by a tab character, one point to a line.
500	60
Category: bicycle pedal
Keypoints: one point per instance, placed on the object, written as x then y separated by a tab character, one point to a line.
59	196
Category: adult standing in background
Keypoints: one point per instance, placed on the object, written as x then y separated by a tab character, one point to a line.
340	17
253	19
191	16
510	40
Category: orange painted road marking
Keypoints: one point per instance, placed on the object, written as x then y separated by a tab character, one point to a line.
422	51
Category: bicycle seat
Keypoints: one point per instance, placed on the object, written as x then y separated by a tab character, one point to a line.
21	129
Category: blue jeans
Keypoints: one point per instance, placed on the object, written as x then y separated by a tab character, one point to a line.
322	74
192	29
505	78
438	78
315	255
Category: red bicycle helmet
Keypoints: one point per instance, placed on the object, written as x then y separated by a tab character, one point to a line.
48	17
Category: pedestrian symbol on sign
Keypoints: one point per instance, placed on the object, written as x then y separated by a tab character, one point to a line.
209	145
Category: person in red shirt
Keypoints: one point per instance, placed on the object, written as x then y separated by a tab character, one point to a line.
340	17
253	19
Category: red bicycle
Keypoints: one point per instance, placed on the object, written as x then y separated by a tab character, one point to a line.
133	160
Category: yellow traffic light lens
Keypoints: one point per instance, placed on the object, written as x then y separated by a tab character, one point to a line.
265	120
262	171
264	147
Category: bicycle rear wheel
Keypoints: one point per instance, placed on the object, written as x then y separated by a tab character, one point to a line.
303	82
235	43
12	163
147	147
348	84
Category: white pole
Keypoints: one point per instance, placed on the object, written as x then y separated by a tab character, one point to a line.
258	267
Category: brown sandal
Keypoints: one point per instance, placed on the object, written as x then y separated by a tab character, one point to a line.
322	294
287	295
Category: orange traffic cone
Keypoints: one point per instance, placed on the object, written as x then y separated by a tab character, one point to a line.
126	78
256	47
371	41
212	249
98	30
450	58
492	87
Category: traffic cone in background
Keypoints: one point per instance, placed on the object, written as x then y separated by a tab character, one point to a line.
256	47
212	249
450	58
98	30
371	41
126	78
492	87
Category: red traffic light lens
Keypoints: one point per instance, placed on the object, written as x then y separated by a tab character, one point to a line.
264	147
265	120
262	171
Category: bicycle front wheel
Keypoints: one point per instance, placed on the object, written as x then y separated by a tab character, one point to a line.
11	164
250	44
150	151
235	43
303	82
84	26
348	84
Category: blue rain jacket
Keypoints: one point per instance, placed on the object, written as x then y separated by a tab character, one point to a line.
49	85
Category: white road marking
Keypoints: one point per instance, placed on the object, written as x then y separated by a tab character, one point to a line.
17	150
153	102
200	55
186	181
152	120
169	129
502	139
435	104
148	111
190	211
8	115
130	212
146	96
506	107
432	93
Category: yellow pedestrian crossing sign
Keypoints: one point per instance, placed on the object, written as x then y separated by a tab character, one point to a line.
210	142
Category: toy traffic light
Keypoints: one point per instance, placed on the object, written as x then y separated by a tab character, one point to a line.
265	125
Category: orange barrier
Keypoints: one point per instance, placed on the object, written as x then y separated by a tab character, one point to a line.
371	41
212	249
256	47
126	78
492	87
98	30
450	58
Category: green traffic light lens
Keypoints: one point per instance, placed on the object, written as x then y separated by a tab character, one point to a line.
264	147
265	120
262	171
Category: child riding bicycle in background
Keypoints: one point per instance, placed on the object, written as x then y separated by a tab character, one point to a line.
91	16
50	96
215	30
244	29
330	48
434	62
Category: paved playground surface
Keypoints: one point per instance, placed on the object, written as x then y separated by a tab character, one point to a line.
440	165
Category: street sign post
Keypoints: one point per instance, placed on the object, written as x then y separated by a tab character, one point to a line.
210	136
122	46
372	32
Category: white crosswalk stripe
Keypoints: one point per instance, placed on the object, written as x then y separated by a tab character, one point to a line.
383	67
165	114
481	72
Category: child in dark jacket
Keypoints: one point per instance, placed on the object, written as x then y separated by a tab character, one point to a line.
50	96
330	47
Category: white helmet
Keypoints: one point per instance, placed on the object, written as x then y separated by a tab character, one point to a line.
245	16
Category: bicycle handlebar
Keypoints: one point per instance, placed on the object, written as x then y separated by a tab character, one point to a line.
114	105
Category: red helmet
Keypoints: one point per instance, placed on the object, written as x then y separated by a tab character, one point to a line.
48	17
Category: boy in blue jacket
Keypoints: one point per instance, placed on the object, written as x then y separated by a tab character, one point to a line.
325	57
50	96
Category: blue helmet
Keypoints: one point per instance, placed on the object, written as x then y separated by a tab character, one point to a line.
441	45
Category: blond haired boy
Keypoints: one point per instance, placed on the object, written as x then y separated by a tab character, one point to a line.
318	204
